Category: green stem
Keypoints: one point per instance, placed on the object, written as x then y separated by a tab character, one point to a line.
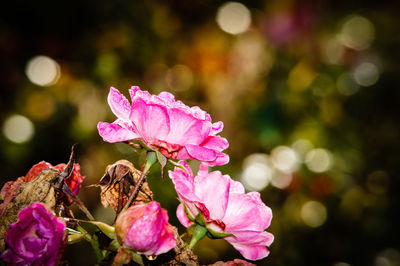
93	242
198	233
151	159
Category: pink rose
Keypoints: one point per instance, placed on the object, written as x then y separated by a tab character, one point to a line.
144	227
166	125
221	205
37	238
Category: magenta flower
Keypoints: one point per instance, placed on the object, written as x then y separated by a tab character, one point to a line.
166	125
37	238
144	227
221	205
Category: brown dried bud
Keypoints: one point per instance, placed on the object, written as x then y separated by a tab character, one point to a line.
117	184
235	262
40	189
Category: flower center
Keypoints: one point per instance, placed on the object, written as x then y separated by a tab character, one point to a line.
167	149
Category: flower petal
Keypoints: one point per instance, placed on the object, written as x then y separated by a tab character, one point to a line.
184	183
213	190
186	129
169	97
182	217
200	153
252	245
217	127
114	133
221	159
215	143
166	242
236	187
246	212
119	105
151	120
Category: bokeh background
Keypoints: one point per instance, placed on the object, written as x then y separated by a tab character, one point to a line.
307	91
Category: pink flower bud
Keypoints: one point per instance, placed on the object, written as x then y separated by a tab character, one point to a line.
144	227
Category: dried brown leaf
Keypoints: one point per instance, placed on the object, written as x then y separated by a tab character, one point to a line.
41	189
117	184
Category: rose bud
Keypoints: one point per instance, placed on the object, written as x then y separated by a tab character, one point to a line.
37	238
144	228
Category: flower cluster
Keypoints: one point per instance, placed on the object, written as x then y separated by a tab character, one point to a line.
211	203
216	203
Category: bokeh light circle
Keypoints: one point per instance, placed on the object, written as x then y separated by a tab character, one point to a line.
233	18
313	213
366	74
357	32
42	71
318	160
18	129
257	172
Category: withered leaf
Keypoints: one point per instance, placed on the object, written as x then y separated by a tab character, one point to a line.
118	183
41	189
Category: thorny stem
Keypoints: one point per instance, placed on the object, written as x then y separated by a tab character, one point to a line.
151	159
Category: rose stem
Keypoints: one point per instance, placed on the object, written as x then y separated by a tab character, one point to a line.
93	242
151	159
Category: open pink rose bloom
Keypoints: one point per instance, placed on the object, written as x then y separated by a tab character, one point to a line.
37	238
144	227
166	125
225	208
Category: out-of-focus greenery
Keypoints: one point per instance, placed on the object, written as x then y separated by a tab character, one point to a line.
308	95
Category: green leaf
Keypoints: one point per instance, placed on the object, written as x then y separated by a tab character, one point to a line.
214	234
136	257
75	238
108	230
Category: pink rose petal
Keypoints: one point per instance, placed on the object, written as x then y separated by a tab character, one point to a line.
114	133
119	105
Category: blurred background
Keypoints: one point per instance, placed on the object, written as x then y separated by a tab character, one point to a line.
307	91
